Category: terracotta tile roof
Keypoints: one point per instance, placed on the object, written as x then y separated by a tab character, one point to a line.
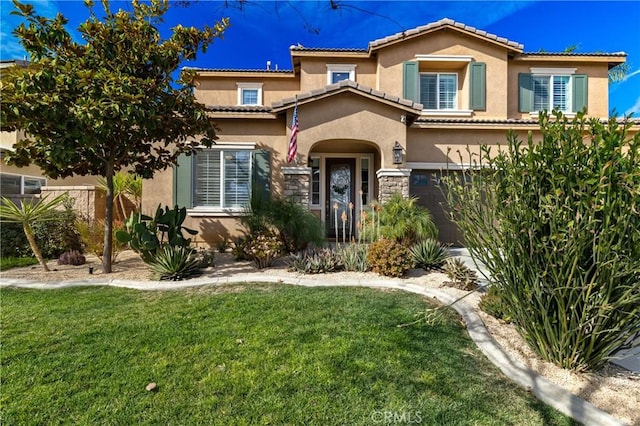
343	86
301	48
491	121
239	108
239	70
593	54
444	23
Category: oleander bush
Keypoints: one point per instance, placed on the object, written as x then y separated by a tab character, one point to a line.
557	224
389	258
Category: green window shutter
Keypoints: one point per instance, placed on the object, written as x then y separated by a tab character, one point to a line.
410	81
525	92
579	92
261	177
478	95
183	181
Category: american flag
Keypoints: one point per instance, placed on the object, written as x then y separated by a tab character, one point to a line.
293	141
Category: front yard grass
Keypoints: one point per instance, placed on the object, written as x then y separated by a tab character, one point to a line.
16	262
254	354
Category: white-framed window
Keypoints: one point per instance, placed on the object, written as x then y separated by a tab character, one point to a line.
222	178
339	72
249	93
552	92
552	88
11	184
439	91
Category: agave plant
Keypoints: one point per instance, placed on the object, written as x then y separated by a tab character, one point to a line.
316	261
354	257
430	254
460	275
175	263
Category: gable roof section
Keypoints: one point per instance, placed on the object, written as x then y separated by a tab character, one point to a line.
348	86
445	23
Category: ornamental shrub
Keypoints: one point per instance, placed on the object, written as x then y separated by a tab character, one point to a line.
389	258
296	226
402	219
263	248
557	224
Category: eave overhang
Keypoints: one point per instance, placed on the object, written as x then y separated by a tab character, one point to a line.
611	59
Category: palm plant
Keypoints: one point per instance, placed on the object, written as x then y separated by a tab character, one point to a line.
124	184
28	213
403	220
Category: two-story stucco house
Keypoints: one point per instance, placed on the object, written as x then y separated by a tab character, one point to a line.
427	91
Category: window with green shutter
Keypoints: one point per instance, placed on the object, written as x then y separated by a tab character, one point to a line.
478	86
221	178
549	91
410	83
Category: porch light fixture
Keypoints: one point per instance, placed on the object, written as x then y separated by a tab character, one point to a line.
397	153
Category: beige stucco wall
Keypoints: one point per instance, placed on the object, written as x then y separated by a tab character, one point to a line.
449	145
448	42
349	116
314	71
224	90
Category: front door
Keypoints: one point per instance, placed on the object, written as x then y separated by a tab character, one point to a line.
340	204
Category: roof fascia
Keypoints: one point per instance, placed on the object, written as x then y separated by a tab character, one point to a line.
611	61
249	73
349	89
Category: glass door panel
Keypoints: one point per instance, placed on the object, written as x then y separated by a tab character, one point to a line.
340	205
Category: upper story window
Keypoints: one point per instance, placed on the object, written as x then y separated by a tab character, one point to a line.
552	88
436	82
438	91
552	92
339	72
249	93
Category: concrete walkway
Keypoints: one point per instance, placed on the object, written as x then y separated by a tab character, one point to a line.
548	392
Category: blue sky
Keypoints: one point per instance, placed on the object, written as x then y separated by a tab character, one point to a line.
592	26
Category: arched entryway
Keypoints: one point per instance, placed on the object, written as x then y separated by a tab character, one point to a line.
343	183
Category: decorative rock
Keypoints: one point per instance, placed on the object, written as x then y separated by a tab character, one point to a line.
152	387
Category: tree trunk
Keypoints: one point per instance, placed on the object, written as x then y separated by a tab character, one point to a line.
108	221
34	247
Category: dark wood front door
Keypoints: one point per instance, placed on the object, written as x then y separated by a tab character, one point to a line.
340	198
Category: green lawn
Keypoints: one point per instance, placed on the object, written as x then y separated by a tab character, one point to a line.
258	354
16	262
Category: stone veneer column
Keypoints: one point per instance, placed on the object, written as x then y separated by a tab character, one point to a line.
391	181
297	184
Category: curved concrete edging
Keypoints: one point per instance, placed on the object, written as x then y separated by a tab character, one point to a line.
545	390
